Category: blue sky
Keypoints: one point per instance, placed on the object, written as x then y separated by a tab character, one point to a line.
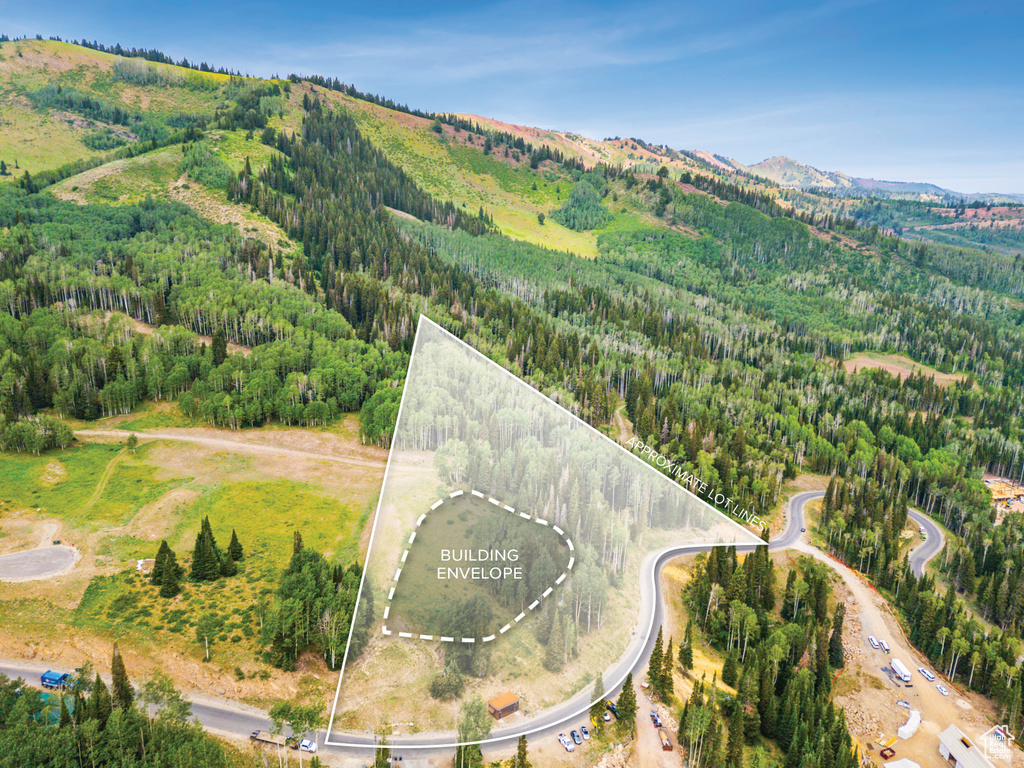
917	91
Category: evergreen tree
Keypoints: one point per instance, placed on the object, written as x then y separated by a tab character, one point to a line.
219	347
521	759
734	751
626	703
654	664
554	655
157	574
686	649
170	584
65	715
123	695
729	671
227	566
235	547
100	706
836	656
597	705
668	684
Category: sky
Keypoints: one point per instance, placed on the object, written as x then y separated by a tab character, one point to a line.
888	89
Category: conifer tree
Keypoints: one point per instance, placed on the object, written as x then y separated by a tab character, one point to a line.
65	715
686	649
654	664
626	703
123	695
170	584
235	547
597	705
729	671
554	655
157	574
734	751
99	702
836	656
668	685
521	759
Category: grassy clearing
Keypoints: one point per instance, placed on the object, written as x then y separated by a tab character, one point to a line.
151	415
123	181
249	507
24	485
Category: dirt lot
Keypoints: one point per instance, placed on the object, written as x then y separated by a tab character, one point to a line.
869	697
900	366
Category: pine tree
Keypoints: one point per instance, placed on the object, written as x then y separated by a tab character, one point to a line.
626	703
734	751
157	574
521	759
99	702
597	702
219	347
729	672
654	664
554	656
170	585
235	547
227	566
686	649
65	715
836	657
668	685
123	696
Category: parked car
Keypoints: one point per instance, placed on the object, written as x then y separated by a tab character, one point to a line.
613	709
575	736
307	745
926	674
885	646
943	689
607	716
585	732
874	642
803	530
655	718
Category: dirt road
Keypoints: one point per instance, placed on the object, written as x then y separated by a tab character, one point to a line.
937	711
245	442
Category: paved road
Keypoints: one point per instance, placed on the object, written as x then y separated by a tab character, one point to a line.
36	563
932	545
792	533
230	718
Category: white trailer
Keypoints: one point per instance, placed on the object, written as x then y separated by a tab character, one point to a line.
901	671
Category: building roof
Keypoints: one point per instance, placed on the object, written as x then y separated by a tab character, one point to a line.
902	763
505	700
967	753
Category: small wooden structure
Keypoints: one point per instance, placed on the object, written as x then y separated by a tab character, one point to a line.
503	705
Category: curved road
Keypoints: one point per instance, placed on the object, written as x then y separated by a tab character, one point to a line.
932	545
235	720
38	563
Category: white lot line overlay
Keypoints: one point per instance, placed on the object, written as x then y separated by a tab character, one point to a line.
517	619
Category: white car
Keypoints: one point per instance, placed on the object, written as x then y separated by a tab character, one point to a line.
927	675
943	689
566	742
307	745
874	642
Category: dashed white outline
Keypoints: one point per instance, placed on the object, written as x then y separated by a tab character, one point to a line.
521	616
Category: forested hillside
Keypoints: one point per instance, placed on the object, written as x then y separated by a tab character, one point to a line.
244	248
